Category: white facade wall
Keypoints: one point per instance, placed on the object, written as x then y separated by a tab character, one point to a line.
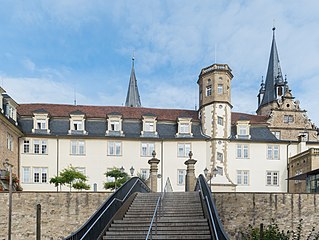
96	160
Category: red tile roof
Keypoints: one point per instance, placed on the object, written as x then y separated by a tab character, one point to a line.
254	119
62	110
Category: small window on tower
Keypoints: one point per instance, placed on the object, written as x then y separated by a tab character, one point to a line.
209	90
220	89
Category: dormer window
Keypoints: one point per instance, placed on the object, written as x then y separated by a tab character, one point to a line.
149	126
9	107
243	129
184	127
114	125
77	123
40	122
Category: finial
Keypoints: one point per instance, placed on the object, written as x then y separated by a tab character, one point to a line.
154	154
273	25
262	79
190	154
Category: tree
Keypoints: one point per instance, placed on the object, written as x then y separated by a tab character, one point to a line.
71	177
119	178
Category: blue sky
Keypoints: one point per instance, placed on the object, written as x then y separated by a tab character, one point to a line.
50	48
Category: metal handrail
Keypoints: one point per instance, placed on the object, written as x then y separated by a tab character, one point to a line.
159	206
216	226
96	224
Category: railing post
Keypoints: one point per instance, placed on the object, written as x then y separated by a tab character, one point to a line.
38	236
190	173
261	234
153	172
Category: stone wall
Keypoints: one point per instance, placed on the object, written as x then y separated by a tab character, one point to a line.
238	210
62	213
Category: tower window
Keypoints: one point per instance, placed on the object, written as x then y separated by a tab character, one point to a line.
209	90
220	89
288	119
220	121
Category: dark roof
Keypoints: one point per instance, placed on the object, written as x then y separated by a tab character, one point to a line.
63	110
257	133
133	96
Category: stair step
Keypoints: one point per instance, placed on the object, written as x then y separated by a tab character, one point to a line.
142	237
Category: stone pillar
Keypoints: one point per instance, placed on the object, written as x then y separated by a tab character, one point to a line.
190	173
153	162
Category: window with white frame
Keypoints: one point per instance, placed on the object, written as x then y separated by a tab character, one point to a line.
149	126
40	175
276	134
26	146
220	88
220	121
145	173
181	173
9	141
26	174
272	178
220	156
243	129
243	177
288	118
273	152
242	151
77	125
40	147
9	111
114	149
41	124
77	147
184	126
147	148
183	149
208	90
115	125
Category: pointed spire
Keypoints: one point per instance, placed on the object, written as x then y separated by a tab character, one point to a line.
133	97
274	75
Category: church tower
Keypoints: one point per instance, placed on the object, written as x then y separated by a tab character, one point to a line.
215	114
275	85
133	97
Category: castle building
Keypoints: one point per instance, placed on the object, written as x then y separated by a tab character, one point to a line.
242	152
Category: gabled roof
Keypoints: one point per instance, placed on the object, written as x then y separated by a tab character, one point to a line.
274	74
133	96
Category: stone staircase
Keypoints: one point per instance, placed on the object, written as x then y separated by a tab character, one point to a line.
182	218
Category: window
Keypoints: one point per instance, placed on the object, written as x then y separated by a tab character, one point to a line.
26	174
40	147
220	156
273	152
145	173
40	175
243	130
220	121
115	125
288	119
298	172
77	147
272	178
114	149
77	125
220	88
149	126
276	134
184	128
9	141
147	149
183	149
209	90
220	171
181	173
242	151
41	124
243	177
81	170
26	146
9	111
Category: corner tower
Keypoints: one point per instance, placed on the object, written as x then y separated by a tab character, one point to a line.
215	113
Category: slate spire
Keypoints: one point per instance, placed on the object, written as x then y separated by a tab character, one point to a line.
133	97
274	78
